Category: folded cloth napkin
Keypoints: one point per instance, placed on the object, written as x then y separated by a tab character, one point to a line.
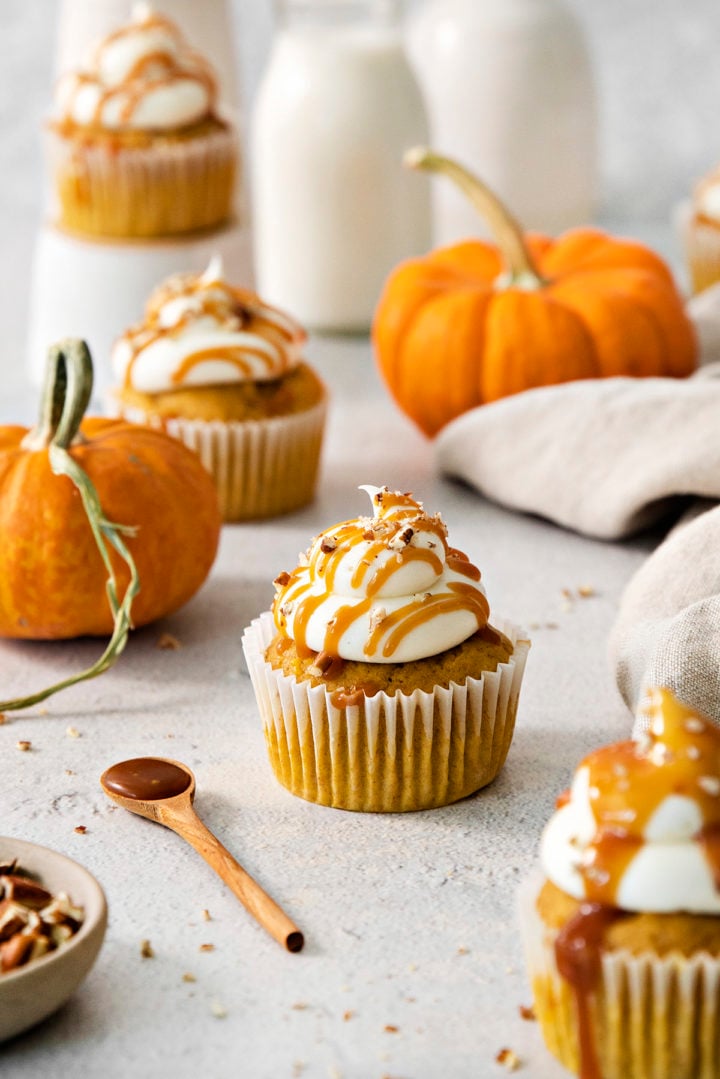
668	629
608	458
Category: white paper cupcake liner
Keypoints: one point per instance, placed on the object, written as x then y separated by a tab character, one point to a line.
701	241
160	190
261	468
654	1017
389	753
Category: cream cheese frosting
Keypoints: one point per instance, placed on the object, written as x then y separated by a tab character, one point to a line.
199	331
384	589
640	829
143	76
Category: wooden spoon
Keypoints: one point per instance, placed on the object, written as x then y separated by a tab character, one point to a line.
163	790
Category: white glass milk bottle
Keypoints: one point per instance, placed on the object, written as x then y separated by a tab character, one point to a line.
510	94
334	210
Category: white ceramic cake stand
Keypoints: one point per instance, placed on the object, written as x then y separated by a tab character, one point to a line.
94	288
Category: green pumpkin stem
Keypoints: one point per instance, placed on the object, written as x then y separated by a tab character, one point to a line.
66	395
521	270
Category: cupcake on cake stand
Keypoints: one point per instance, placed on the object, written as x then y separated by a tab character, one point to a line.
144	168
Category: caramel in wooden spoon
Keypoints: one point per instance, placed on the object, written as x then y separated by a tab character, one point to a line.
163	790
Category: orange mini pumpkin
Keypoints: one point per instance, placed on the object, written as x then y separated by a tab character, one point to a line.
471	323
66	569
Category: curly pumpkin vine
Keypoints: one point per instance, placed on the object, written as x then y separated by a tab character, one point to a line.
67	568
474	322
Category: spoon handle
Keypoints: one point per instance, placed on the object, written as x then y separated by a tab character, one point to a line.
254	898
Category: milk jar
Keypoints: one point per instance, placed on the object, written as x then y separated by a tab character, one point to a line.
510	93
334	210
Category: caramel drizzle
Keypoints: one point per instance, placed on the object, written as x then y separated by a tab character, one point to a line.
629	781
578	948
397	512
237	357
384	573
460	563
136	85
416	613
257	319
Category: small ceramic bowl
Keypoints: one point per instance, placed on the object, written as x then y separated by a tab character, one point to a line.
34	991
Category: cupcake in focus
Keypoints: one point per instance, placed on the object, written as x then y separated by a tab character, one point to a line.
381	684
217	368
623	934
702	233
138	146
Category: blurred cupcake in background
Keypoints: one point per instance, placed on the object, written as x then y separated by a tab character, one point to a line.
222	371
137	144
622	931
702	233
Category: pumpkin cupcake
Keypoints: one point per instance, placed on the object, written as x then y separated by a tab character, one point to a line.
381	684
623	934
219	369
138	147
702	233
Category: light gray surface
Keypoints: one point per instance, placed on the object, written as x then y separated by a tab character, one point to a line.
409	919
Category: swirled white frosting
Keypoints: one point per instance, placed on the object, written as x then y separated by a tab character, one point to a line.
201	331
634	830
143	76
386	589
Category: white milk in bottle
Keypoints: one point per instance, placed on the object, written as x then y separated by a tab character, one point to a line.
334	209
510	93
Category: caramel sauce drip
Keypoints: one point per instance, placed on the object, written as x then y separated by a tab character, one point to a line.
489	633
629	781
236	357
417	612
383	574
578	949
392	504
460	563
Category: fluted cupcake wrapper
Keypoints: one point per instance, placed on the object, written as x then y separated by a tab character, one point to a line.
261	468
652	1016
130	192
389	753
702	250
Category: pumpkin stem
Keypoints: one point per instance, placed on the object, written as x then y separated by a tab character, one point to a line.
507	233
66	394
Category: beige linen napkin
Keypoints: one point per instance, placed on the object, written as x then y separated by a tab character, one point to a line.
609	458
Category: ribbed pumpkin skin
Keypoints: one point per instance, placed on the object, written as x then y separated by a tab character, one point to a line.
52	578
447	338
